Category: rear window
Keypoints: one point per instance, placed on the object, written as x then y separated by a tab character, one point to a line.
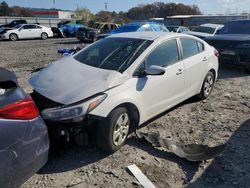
204	29
112	53
190	47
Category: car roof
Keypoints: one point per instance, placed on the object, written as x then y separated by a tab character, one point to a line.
147	35
212	25
142	23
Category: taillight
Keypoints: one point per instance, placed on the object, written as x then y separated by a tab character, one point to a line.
216	53
24	109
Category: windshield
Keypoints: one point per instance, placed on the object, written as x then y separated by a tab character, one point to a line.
204	29
113	53
17	26
239	27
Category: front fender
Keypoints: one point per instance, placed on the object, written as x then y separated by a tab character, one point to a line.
111	103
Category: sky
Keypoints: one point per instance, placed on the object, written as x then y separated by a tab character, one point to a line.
206	6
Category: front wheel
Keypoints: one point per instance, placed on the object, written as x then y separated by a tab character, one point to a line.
113	130
207	86
13	37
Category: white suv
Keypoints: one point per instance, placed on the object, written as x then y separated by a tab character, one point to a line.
123	81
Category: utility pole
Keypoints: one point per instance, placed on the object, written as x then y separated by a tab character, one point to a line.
106	6
54	3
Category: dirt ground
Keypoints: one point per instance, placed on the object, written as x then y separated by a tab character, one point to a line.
223	118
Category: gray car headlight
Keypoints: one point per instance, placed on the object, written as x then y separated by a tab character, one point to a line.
73	111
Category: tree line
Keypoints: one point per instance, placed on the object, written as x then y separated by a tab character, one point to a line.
5	10
141	12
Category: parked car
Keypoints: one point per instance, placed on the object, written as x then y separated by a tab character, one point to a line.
206	30
177	29
233	43
89	33
26	31
24	142
136	27
13	23
69	28
121	82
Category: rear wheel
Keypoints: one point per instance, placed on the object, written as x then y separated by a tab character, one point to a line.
207	86
13	37
113	130
44	36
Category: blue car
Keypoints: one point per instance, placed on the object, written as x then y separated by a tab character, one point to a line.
136	27
24	141
69	28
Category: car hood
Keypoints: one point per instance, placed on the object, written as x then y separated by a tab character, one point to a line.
230	37
199	34
6	29
67	81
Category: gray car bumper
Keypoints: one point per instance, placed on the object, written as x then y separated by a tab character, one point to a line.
24	158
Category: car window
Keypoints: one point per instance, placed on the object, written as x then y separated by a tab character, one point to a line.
113	26
112	53
204	29
189	47
164	55
200	46
39	27
29	27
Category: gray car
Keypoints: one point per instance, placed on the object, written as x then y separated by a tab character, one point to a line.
24	142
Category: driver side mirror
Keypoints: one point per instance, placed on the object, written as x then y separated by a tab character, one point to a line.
155	70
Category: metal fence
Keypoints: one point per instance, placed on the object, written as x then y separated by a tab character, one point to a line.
49	22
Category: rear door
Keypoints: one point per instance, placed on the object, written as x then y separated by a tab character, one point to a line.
195	61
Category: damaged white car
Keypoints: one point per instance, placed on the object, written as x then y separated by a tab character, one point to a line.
121	82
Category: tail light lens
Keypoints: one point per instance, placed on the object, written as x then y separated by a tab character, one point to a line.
216	53
24	109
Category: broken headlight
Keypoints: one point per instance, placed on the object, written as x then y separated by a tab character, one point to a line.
74	112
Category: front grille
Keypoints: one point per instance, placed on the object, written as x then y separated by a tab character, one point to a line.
43	102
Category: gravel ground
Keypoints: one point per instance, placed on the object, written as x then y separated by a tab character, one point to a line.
223	118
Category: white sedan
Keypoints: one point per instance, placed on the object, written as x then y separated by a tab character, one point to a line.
26	31
123	81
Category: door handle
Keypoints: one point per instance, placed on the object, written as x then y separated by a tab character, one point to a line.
204	59
180	71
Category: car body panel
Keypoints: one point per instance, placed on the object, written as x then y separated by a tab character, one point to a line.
24	144
27	153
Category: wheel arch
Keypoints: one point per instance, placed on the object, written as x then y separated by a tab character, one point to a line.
14	34
133	112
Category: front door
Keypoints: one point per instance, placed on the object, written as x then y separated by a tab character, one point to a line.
161	92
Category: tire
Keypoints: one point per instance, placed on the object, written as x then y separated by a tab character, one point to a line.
207	86
112	131
44	36
13	37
